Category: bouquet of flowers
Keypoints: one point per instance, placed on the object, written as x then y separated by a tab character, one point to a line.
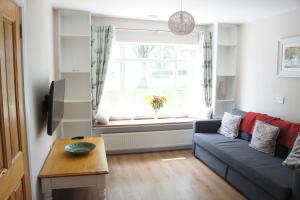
156	101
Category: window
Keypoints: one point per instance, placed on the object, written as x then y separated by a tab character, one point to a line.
137	70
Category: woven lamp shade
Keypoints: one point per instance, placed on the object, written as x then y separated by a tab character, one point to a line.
181	23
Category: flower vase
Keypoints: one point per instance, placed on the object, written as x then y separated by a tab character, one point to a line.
155	113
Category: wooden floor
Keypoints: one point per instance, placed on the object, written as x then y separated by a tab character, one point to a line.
168	175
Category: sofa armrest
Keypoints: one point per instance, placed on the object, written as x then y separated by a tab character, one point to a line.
296	184
206	126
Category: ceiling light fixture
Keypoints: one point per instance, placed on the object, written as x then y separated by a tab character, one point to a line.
181	22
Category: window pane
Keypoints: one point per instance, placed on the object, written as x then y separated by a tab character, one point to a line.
113	78
168	52
186	53
129	51
116	51
183	72
144	50
135	75
112	94
148	69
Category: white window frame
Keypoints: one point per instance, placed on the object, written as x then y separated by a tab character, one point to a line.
122	62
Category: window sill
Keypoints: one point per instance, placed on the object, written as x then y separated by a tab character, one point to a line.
144	125
145	122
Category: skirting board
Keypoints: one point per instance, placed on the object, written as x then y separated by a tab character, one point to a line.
133	142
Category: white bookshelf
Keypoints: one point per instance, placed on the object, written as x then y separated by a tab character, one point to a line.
74	66
225	48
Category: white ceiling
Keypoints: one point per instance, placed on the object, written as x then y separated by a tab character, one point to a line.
204	11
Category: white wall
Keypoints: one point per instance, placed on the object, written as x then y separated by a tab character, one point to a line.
257	67
38	72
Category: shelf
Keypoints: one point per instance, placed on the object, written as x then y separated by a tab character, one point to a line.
227	58
78	87
75	22
225	88
74	60
227	34
76	128
223	106
75	52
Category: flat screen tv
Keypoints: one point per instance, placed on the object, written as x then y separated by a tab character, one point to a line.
54	105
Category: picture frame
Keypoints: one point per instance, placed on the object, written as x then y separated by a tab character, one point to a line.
289	57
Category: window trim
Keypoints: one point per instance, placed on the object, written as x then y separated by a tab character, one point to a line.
122	61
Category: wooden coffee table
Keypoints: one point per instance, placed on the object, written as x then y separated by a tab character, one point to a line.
64	170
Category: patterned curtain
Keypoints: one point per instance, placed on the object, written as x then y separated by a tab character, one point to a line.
101	42
207	68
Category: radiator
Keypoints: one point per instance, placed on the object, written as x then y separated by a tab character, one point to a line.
147	141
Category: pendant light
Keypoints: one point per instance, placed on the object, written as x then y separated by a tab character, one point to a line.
181	22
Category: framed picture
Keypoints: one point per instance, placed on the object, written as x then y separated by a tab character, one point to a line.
289	57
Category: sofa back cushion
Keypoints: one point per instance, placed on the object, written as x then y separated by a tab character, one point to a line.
288	130
236	111
245	136
242	135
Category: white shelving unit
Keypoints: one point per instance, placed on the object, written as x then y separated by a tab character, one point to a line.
73	38
225	44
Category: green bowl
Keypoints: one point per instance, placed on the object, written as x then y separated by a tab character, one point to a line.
80	148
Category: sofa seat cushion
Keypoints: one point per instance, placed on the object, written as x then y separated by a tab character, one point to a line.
263	170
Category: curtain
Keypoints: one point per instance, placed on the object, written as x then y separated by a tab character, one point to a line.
101	42
207	68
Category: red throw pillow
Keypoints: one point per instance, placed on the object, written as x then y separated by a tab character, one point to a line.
250	118
266	118
288	132
248	122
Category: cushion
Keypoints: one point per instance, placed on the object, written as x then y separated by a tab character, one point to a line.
249	120
102	117
264	137
288	130
238	112
281	151
261	169
245	136
293	159
230	125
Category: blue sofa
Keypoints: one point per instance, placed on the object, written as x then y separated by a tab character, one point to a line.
255	174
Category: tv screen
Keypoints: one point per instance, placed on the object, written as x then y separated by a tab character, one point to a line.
55	101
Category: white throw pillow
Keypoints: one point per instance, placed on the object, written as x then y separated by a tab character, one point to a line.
230	125
102	117
264	137
293	159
